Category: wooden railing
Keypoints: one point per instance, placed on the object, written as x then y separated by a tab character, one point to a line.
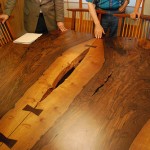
127	27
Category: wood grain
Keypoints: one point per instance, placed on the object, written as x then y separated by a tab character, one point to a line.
22	65
93	109
69	59
53	106
112	108
142	141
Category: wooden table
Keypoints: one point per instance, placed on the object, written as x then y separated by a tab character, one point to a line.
21	65
59	93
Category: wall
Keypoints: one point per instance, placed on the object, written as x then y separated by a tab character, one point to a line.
132	3
146	10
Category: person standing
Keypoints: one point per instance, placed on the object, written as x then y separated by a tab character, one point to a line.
40	16
108	21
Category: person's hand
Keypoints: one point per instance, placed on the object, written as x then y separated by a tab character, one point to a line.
61	26
135	15
98	31
3	18
121	9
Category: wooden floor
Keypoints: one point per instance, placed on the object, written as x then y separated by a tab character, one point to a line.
71	91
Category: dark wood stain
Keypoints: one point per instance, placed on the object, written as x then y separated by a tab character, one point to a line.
33	110
112	108
9	142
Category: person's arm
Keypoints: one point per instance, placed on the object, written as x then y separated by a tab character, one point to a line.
59	10
98	31
136	10
123	7
10	4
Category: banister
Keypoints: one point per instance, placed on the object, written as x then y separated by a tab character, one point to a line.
123	15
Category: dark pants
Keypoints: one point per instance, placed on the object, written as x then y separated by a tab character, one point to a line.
110	22
41	25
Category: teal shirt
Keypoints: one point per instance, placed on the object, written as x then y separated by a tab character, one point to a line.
107	4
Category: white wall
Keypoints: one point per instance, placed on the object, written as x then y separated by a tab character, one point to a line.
132	3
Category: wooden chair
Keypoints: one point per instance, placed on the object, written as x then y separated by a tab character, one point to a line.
127	27
6	34
81	20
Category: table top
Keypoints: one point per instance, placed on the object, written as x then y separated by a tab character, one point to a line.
70	91
21	65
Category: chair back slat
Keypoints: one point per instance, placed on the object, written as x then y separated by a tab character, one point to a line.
6	34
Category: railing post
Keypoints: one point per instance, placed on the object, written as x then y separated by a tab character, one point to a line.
73	22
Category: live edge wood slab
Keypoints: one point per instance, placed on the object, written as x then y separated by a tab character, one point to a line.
21	65
70	91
